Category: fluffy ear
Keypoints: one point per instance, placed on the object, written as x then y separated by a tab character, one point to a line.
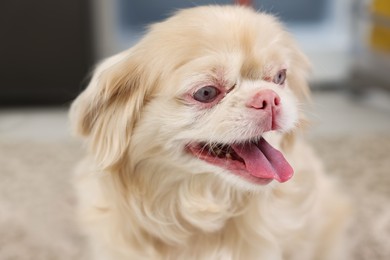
297	81
297	78
107	110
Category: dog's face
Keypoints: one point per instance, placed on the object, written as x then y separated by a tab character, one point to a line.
198	93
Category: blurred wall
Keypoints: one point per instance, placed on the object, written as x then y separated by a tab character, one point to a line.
45	50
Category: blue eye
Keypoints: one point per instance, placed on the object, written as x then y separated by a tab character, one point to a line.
206	94
280	77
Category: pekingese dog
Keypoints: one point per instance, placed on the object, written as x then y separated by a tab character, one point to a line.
193	147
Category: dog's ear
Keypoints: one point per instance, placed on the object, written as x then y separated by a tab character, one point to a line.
298	72
108	109
297	81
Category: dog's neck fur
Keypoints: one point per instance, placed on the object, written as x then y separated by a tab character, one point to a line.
197	211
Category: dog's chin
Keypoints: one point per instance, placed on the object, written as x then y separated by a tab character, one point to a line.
252	163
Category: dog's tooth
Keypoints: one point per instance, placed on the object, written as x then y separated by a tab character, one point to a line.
228	156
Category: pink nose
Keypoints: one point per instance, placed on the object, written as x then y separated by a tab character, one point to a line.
264	99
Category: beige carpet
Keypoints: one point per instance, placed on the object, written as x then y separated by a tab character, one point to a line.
36	199
363	166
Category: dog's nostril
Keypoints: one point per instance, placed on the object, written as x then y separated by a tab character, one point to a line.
277	101
264	105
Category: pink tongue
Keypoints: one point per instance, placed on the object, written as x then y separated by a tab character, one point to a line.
264	161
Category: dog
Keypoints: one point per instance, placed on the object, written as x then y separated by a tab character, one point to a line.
194	146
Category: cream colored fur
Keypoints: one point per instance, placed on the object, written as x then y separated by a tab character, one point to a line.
141	196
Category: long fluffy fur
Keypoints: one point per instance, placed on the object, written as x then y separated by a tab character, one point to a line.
140	198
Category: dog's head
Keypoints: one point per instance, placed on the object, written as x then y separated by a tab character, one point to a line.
197	93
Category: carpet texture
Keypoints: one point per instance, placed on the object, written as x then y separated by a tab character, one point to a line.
37	201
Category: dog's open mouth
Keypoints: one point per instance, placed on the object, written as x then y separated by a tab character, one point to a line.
257	162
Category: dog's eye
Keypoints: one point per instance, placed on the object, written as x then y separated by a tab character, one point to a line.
280	77
206	94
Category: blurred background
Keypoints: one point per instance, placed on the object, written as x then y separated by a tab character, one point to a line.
48	49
